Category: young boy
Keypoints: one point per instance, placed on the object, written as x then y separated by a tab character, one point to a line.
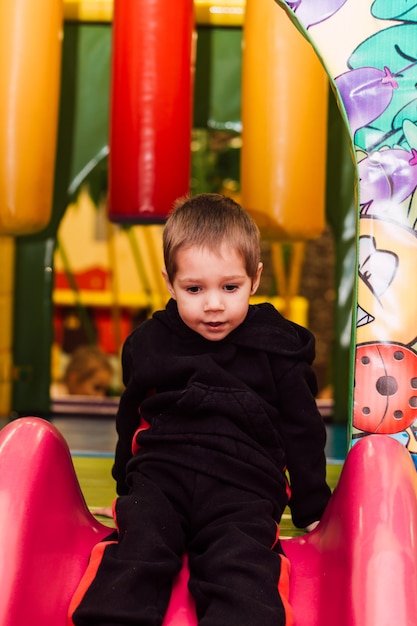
219	403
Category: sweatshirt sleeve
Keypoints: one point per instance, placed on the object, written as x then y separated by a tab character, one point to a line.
127	418
304	436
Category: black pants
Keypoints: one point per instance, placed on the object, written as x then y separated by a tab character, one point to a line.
236	563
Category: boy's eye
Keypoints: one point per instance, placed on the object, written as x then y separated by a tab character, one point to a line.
230	287
193	289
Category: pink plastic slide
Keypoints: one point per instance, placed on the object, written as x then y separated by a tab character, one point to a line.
358	568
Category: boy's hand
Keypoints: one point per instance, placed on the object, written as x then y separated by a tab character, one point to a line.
104	511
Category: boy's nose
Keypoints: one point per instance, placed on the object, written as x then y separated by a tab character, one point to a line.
214	302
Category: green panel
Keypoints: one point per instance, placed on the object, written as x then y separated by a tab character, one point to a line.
32	327
91	81
218	78
341	216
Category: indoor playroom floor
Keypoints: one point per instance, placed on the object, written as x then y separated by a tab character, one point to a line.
92	442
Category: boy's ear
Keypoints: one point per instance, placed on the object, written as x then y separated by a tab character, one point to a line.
256	280
168	283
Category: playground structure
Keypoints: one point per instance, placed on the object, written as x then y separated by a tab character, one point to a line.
373	75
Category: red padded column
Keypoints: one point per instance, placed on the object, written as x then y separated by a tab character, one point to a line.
151	108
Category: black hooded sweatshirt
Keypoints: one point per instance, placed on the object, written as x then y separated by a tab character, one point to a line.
241	409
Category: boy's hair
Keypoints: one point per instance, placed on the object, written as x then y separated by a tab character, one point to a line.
207	220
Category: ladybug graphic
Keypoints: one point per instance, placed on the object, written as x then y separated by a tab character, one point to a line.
385	393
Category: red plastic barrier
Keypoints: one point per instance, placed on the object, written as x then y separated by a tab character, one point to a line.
358	568
47	531
151	108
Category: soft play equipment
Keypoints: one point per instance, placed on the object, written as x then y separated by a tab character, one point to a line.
151	108
355	569
284	126
30	60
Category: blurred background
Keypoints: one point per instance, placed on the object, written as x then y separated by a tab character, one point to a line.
84	279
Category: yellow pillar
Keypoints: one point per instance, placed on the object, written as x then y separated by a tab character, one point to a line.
284	126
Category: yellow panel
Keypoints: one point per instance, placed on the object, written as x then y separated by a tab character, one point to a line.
226	13
134	300
6	265
7	245
88	10
6	306
222	13
294	309
5	384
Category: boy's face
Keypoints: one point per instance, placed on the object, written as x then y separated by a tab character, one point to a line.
212	290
